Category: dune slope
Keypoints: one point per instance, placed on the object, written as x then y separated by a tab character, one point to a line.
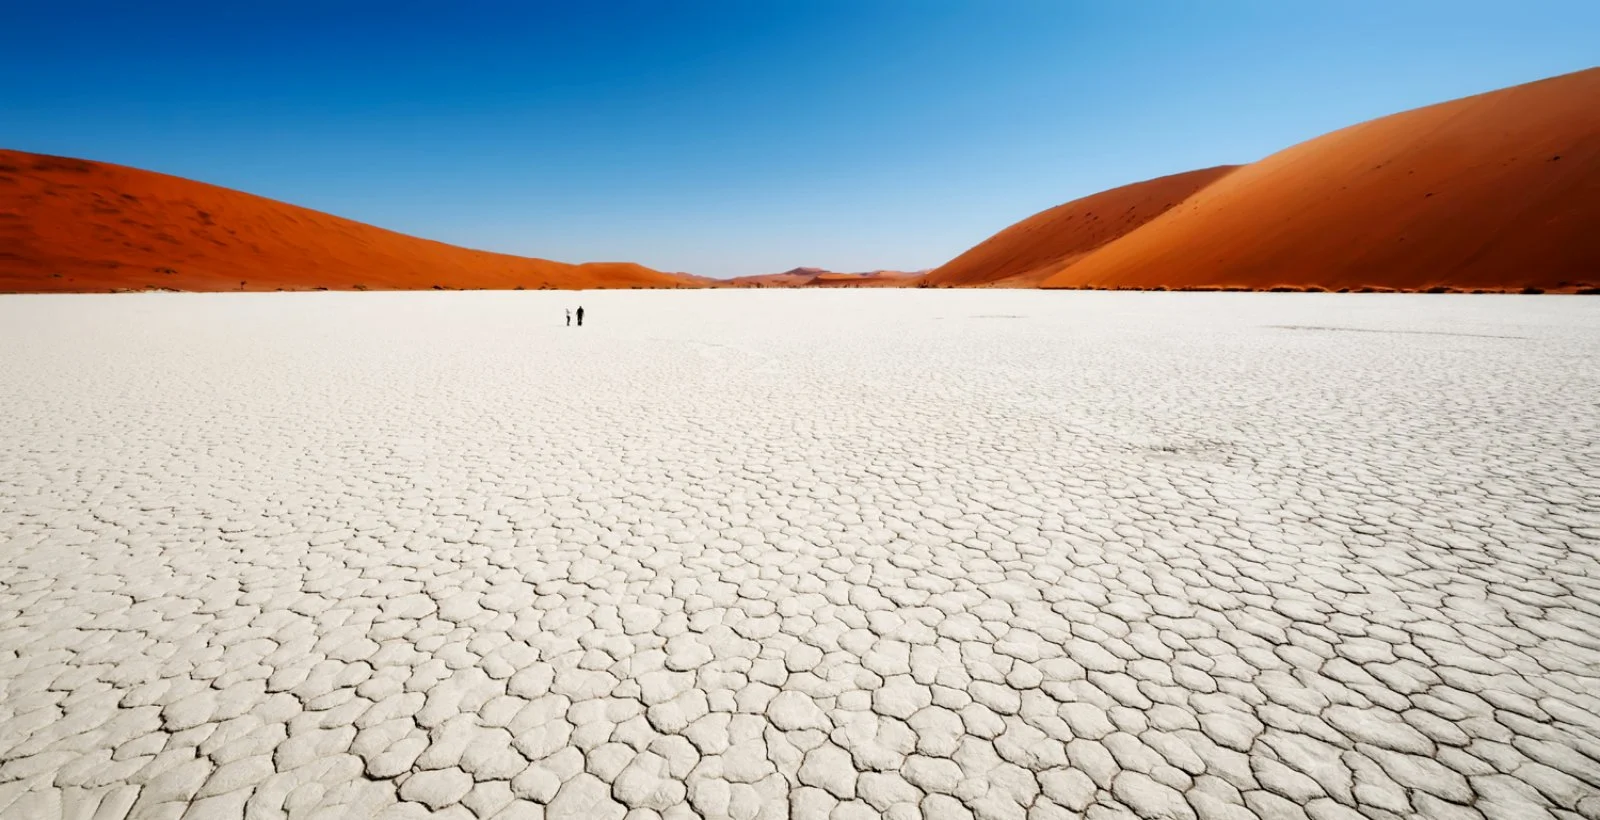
75	225
1036	247
1495	191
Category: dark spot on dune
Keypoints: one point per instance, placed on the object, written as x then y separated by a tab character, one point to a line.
76	166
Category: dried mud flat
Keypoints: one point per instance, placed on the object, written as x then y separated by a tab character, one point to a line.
806	554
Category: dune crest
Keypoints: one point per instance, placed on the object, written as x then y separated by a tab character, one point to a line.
74	225
1027	252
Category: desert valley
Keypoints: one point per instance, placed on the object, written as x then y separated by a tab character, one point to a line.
1012	538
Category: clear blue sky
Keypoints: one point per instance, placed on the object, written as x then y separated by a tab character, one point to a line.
734	137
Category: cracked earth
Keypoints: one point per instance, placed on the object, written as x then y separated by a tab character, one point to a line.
799	554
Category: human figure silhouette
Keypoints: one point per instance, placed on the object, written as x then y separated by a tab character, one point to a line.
569	317
580	316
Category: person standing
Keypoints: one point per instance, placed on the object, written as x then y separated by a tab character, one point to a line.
569	317
580	315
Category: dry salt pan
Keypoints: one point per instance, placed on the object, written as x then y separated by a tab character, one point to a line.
809	554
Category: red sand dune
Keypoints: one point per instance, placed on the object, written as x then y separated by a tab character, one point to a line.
74	225
1499	191
792	278
1027	252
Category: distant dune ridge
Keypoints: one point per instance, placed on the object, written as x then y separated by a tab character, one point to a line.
74	225
1499	191
822	278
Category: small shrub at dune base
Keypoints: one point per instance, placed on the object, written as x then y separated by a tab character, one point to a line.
1438	289
1588	291
359	287
1531	290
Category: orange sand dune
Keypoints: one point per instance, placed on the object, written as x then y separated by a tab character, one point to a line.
1027	252
1497	191
792	278
870	279
74	225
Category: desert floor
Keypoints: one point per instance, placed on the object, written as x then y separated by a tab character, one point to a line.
806	554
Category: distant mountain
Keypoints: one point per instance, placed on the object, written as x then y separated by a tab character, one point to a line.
75	225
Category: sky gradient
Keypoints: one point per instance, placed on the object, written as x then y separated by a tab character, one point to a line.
727	138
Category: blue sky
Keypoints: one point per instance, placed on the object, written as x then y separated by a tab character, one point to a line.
727	138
